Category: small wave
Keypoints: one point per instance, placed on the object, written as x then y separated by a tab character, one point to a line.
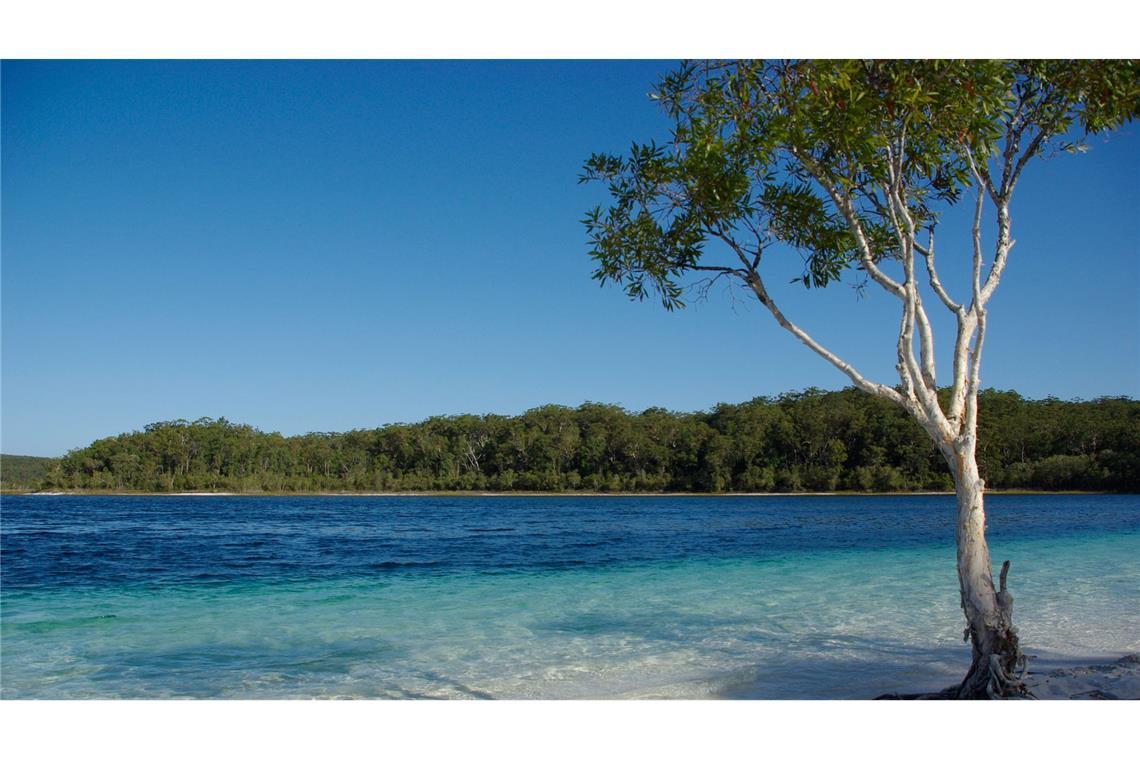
207	575
47	626
394	565
594	543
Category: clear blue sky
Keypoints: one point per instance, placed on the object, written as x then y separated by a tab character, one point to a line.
332	245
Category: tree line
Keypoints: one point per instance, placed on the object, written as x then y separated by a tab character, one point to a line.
807	441
22	472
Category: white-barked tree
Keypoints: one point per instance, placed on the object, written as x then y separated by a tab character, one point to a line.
851	163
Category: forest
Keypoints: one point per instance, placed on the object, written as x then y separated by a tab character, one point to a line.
24	473
807	441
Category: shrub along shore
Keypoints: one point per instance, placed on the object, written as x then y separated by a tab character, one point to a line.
813	441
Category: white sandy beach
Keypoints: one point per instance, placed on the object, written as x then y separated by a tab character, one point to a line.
1110	679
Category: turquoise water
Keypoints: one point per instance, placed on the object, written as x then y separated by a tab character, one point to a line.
757	620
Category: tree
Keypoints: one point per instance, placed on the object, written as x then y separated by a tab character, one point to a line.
851	163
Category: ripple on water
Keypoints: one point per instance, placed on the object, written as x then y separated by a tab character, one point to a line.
571	598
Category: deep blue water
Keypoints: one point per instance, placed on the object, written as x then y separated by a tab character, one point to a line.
532	596
52	542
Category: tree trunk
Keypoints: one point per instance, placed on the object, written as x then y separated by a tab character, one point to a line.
998	663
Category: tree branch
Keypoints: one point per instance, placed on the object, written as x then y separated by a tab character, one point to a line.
932	273
844	205
740	251
904	350
968	319
913	310
976	236
1001	254
1034	144
926	344
970	425
876	389
1002	246
923	379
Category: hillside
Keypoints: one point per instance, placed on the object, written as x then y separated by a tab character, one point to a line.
24	473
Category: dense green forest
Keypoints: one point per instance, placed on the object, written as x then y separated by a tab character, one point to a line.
809	441
20	472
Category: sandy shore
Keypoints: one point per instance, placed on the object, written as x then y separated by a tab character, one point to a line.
1112	679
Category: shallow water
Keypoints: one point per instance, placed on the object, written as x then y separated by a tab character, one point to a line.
537	597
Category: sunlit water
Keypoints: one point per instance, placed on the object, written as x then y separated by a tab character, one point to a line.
538	597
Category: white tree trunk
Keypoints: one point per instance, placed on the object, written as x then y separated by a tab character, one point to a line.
998	663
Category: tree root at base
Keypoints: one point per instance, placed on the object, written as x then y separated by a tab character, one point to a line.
998	667
999	684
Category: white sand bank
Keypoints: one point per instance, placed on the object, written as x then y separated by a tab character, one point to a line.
1113	679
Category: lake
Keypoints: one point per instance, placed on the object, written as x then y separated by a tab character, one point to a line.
538	597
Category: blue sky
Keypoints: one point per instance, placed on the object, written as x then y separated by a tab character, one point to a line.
332	245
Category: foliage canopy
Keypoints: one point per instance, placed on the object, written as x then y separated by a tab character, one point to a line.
803	152
812	440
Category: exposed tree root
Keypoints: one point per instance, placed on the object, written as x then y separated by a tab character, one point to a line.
991	682
998	667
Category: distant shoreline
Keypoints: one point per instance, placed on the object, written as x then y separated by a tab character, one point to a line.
673	494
